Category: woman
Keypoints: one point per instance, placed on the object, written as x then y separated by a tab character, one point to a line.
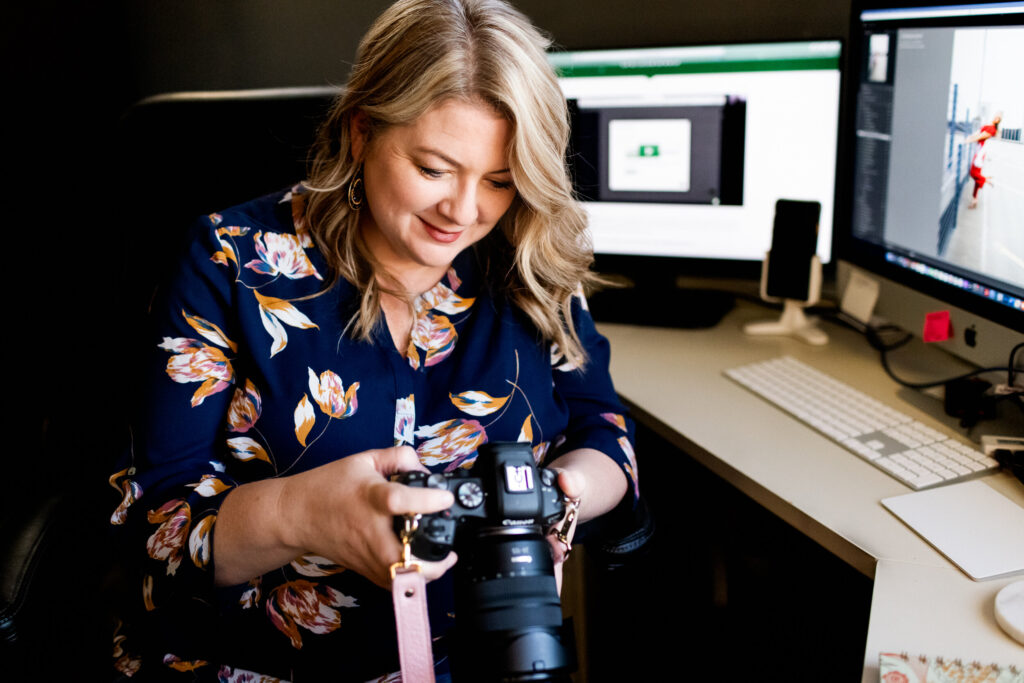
978	161
414	299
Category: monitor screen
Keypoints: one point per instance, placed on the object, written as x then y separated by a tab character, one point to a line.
684	151
936	165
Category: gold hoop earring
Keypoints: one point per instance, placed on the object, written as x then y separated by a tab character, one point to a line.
356	192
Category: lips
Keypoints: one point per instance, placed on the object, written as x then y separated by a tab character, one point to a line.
439	235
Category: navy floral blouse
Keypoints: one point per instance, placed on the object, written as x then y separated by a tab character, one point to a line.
251	376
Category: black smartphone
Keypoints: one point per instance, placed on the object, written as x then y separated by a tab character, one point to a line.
794	242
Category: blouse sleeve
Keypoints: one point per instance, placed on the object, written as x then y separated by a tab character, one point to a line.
597	419
174	478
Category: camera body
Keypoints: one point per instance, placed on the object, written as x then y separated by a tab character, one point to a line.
509	625
504	490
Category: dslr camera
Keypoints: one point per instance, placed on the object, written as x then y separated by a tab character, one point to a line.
509	625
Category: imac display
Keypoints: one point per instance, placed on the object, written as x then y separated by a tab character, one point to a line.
936	166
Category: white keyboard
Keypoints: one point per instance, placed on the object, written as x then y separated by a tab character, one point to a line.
909	450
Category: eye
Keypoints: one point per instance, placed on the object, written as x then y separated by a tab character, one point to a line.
501	184
431	172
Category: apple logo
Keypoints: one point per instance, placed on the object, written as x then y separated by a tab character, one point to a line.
971	336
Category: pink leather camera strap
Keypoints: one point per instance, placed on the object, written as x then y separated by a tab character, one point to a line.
409	594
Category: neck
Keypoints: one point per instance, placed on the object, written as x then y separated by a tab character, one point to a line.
413	282
399	318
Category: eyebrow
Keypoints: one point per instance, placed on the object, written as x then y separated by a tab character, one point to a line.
452	162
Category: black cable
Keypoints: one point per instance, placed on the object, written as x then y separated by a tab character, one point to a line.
1016	398
937	383
1012	373
874	338
1013	462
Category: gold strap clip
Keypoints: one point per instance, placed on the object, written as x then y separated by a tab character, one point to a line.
565	532
408	563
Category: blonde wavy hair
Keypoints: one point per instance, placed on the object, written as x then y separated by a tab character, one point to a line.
416	55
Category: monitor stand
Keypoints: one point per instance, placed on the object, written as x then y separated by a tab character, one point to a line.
792	323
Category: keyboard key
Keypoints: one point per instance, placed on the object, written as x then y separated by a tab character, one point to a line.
914	452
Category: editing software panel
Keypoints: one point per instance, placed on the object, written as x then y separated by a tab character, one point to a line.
938	182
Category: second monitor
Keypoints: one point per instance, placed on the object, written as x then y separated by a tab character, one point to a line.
679	154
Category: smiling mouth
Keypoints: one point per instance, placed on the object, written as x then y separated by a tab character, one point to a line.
440	235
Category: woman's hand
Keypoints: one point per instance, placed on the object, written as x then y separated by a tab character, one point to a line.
573	484
596	481
343	511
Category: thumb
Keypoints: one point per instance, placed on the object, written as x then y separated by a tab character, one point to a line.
571	482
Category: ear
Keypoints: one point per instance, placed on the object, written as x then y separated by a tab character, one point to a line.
359	133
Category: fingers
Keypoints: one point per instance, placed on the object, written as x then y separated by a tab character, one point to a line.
573	483
557	550
392	498
435	570
558	555
352	511
430	570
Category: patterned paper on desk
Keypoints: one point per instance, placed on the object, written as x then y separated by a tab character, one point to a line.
902	668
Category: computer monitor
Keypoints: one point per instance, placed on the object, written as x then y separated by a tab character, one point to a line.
679	154
935	164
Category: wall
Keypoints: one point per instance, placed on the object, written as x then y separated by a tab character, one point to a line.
260	43
72	68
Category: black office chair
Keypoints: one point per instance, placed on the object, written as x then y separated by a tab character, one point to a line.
175	157
189	154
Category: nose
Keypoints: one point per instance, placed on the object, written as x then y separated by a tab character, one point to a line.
460	206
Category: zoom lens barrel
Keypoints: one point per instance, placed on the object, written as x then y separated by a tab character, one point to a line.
509	615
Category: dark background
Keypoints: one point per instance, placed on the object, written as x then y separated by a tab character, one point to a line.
71	69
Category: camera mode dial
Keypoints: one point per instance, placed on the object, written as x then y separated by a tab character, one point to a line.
470	495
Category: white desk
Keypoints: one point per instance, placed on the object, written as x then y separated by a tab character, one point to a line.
673	381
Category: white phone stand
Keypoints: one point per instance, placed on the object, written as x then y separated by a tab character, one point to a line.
792	322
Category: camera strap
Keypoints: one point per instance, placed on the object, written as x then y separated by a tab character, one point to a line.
565	531
409	595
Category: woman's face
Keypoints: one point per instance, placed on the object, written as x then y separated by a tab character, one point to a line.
433	188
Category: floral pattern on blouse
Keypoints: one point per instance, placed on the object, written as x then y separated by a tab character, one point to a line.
252	376
433	332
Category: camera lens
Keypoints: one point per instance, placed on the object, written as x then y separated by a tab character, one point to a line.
509	617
